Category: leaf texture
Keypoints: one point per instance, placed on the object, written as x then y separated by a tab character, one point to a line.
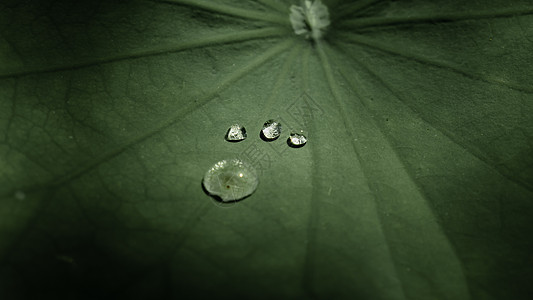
416	181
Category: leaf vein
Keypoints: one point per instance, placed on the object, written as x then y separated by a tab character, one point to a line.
199	43
213	6
370	43
447	17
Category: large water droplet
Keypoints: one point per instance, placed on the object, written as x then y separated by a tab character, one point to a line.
297	140
230	180
236	133
271	130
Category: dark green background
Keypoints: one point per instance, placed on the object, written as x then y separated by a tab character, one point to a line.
416	182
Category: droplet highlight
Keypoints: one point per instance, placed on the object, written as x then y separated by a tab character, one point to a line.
297	140
230	180
236	133
271	130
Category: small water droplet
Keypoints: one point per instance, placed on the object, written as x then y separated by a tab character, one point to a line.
236	133
271	130
230	180
71	137
297	140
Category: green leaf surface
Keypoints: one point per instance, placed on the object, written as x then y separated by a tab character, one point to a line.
416	181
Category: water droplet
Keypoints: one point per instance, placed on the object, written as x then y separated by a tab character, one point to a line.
236	133
271	130
230	180
296	140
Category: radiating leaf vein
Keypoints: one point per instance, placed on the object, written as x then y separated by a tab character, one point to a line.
391	49
359	23
232	37
275	18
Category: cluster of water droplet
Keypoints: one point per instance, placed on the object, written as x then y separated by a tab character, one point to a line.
271	131
231	180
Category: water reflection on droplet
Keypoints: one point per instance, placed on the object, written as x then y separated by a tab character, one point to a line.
297	140
236	133
271	130
230	180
